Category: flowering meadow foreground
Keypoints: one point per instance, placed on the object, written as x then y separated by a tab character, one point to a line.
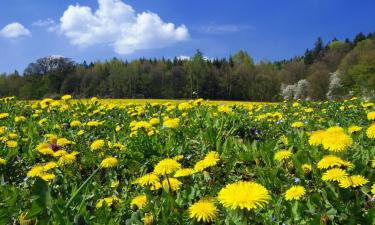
97	162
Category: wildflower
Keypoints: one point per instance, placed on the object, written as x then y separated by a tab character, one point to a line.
297	124
4	115
2	161
353	181
371	115
66	97
282	155
171	183
204	210
36	171
306	168
49	166
370	132
109	162
244	195
12	144
166	166
184	172
284	140
148	219
107	201
147	179
316	138
335	174
47	176
373	190
330	161
140	201
97	144
75	123
353	129
336	141
172	123
295	193
67	159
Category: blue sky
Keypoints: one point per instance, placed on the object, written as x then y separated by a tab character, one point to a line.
30	29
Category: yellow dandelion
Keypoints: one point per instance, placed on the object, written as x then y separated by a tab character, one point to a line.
306	168
204	210
370	132
335	174
244	195
75	123
371	115
60	153
97	144
353	181
47	176
212	158
67	159
140	201
336	141
49	166
172	123
66	97
12	144
148	219
147	180
297	124
316	138
171	183
373	190
36	171
2	161
295	193
354	128
330	161
184	172
166	166
282	155
109	162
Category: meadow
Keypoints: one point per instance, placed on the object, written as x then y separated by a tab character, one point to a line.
186	162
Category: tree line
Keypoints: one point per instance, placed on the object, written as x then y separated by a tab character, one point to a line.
335	70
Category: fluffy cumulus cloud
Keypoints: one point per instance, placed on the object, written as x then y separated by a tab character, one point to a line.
14	30
118	25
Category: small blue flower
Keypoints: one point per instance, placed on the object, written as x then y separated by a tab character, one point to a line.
297	180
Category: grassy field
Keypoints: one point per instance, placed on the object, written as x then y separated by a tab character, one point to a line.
186	162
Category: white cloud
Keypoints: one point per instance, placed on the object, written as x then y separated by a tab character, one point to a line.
44	23
14	30
117	24
223	28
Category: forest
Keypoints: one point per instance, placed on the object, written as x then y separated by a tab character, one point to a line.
337	69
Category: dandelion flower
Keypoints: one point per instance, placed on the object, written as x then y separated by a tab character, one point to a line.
370	132
330	161
47	176
184	172
244	195
36	171
336	141
306	168
373	190
172	123
109	162
297	124
12	144
203	210
171	183
2	161
49	166
67	159
353	129
335	174
316	138
97	144
353	181
295	193
140	201
147	179
371	115
282	155
166	166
